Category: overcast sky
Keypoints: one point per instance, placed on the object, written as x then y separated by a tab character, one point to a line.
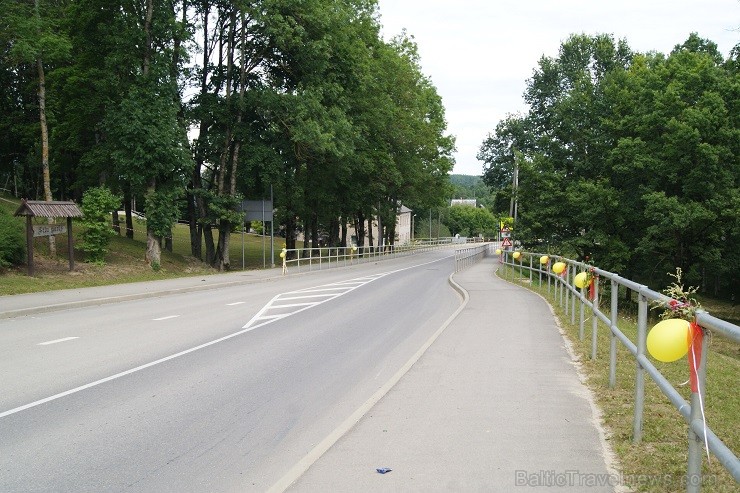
479	53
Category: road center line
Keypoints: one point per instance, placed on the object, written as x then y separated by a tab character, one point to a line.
56	341
165	318
237	303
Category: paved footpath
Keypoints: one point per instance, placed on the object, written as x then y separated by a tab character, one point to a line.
494	405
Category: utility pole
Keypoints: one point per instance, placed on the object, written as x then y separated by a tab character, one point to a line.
514	205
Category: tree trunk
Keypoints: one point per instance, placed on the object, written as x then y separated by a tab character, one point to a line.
380	229
195	230
314	230
129	216
153	242
196	204
116	222
224	227
290	234
210	245
360	231
343	241
45	142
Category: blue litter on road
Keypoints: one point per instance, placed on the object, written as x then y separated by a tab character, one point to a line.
383	470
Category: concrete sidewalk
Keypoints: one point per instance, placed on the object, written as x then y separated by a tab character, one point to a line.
495	405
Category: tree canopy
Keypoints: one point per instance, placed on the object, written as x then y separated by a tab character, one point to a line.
187	107
630	159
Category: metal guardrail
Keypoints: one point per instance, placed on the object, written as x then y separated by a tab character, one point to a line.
309	259
465	257
567	294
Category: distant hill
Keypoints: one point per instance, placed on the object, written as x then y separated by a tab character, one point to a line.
471	187
467	181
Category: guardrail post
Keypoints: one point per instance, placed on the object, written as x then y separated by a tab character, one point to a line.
613	317
530	269
642	313
559	287
573	302
539	269
568	301
549	278
594	318
696	445
581	321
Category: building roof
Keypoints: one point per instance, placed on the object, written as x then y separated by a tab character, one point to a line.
39	208
404	210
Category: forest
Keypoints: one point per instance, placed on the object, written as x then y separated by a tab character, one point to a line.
628	160
184	108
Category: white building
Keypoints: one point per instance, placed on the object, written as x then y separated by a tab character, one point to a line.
404	232
465	202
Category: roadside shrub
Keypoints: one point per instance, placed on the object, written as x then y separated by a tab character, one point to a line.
97	205
12	241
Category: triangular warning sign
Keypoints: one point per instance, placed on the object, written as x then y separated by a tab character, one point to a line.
506	242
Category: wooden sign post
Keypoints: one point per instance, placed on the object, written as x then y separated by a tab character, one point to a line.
51	209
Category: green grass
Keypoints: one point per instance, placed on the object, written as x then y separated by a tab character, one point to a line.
663	450
125	261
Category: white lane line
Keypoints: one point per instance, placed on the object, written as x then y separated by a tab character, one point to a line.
165	318
56	341
124	373
237	303
248	328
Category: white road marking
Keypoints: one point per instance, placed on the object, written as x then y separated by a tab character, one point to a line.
165	318
335	290
176	355
237	303
263	317
56	341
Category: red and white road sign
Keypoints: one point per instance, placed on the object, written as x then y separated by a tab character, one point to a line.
506	242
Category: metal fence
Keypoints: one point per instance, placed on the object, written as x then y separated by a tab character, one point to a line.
309	259
465	257
567	295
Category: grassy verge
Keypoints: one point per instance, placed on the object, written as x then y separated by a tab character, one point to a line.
658	463
124	262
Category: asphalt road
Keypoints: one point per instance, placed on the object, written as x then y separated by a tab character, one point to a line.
218	390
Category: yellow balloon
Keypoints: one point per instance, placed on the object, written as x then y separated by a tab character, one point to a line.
581	280
517	255
558	267
282	254
669	340
498	251
544	259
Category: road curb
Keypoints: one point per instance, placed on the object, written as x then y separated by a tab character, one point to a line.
346	426
124	297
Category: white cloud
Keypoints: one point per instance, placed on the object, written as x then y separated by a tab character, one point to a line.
479	53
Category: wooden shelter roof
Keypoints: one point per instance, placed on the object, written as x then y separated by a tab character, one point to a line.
40	208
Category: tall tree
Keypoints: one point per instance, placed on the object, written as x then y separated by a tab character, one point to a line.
36	40
629	158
